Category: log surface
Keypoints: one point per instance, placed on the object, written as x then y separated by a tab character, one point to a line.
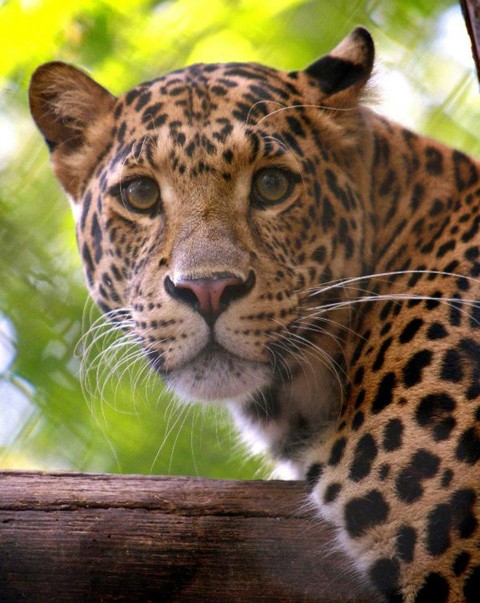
77	537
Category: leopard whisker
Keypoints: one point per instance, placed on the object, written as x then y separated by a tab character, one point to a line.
306	324
304	106
330	363
261	102
321	354
451	301
182	410
105	359
285	371
105	372
178	431
98	330
382	275
317	329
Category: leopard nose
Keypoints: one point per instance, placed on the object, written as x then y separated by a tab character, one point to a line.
210	296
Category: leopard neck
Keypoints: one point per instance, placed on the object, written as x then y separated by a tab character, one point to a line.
412	178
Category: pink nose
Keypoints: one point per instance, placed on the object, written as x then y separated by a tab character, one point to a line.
208	292
210	296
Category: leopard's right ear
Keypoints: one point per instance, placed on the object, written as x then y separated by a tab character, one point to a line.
65	103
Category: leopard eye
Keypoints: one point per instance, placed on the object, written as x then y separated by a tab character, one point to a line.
271	186
141	194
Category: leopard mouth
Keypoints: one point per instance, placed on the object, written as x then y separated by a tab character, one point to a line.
214	375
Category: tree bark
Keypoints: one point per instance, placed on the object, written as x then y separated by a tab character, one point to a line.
471	14
76	537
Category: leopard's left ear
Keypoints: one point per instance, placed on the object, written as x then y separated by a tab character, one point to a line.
342	74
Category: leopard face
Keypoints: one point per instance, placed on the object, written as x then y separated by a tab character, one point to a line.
198	219
268	241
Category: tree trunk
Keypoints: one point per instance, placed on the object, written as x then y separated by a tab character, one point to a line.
471	14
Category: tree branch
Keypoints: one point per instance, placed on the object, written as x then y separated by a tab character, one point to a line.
471	14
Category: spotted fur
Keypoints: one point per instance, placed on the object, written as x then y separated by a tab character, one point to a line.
341	324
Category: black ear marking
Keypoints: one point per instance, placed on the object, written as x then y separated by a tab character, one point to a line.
334	74
349	64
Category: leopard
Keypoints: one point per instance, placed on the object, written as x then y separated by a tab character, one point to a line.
274	244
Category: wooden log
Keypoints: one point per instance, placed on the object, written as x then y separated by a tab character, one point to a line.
75	537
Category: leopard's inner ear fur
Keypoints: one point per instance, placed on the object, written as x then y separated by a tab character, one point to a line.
68	106
343	73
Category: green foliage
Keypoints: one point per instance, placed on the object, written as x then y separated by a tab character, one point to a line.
122	420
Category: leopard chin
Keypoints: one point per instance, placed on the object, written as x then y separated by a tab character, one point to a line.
216	375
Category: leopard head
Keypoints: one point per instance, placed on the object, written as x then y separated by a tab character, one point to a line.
210	203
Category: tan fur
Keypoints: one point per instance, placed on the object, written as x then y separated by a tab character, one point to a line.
346	346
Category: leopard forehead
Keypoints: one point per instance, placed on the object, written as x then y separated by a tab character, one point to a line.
200	94
215	118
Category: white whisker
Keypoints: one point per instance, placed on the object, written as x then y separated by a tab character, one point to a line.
293	107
